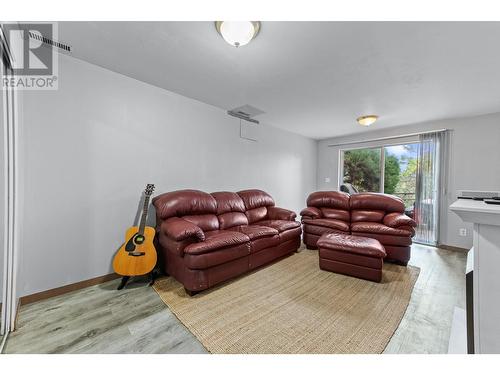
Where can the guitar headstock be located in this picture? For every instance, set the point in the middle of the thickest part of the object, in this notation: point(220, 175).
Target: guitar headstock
point(149, 189)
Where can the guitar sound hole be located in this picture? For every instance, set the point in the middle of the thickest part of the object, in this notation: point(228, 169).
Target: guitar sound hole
point(139, 239)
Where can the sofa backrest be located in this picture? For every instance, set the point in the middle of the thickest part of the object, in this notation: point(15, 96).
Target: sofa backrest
point(332, 204)
point(195, 206)
point(256, 203)
point(230, 209)
point(373, 207)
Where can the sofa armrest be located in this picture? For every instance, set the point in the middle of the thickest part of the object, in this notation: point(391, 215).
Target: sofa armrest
point(277, 213)
point(396, 219)
point(179, 229)
point(312, 212)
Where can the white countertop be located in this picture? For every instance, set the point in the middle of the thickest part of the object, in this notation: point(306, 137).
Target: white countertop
point(472, 211)
point(474, 206)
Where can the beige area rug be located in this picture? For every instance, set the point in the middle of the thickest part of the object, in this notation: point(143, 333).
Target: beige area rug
point(294, 307)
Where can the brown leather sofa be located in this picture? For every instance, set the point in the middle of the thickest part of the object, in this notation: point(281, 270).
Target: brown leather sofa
point(373, 215)
point(205, 239)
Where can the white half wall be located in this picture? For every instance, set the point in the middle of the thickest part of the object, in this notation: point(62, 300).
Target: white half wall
point(2, 192)
point(91, 146)
point(474, 163)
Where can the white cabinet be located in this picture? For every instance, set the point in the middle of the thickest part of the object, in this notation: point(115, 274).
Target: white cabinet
point(486, 220)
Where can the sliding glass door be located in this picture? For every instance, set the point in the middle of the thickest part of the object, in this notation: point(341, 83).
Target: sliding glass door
point(401, 173)
point(388, 169)
point(363, 169)
point(405, 170)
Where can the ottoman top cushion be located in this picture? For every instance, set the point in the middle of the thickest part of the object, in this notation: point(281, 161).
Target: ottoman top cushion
point(352, 244)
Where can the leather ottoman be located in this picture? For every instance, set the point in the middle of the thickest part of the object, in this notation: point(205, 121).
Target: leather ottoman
point(350, 255)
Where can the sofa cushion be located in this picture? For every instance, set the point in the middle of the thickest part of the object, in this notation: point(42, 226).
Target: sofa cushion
point(317, 230)
point(256, 214)
point(175, 246)
point(255, 198)
point(376, 201)
point(180, 229)
point(232, 219)
point(351, 244)
point(216, 240)
point(333, 213)
point(280, 225)
point(228, 202)
point(216, 257)
point(290, 234)
point(206, 222)
point(329, 199)
point(257, 231)
point(311, 212)
point(397, 219)
point(264, 243)
point(328, 223)
point(230, 209)
point(367, 215)
point(184, 202)
point(379, 228)
point(277, 213)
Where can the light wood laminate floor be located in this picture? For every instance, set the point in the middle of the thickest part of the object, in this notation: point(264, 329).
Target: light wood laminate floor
point(101, 319)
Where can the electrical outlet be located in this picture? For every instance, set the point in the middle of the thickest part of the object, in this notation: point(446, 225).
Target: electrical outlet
point(327, 179)
point(462, 232)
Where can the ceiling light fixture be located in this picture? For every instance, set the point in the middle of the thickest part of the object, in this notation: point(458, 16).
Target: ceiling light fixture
point(367, 120)
point(238, 33)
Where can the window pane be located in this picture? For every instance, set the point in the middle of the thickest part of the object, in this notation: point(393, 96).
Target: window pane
point(400, 177)
point(362, 169)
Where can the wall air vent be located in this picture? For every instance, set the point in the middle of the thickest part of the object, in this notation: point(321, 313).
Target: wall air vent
point(50, 42)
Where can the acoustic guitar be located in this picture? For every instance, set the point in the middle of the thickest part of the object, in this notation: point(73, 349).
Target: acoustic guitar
point(137, 256)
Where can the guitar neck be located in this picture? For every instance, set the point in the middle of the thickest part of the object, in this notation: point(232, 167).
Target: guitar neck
point(142, 224)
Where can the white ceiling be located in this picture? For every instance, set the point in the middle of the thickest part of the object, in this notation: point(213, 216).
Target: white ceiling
point(311, 78)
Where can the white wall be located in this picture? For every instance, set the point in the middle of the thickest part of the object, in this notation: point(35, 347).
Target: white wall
point(474, 163)
point(91, 146)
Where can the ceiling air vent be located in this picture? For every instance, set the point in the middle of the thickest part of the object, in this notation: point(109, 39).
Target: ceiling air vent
point(50, 42)
point(246, 112)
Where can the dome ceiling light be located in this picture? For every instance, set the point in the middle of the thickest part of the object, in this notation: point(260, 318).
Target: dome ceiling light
point(367, 120)
point(238, 33)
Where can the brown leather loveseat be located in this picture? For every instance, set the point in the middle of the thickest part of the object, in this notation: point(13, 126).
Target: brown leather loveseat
point(373, 215)
point(205, 239)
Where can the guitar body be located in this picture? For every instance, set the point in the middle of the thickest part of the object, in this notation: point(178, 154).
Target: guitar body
point(137, 256)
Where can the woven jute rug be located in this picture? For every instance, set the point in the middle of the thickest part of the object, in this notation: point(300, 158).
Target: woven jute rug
point(294, 307)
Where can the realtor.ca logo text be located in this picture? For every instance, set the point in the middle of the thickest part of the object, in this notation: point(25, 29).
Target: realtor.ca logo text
point(30, 60)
